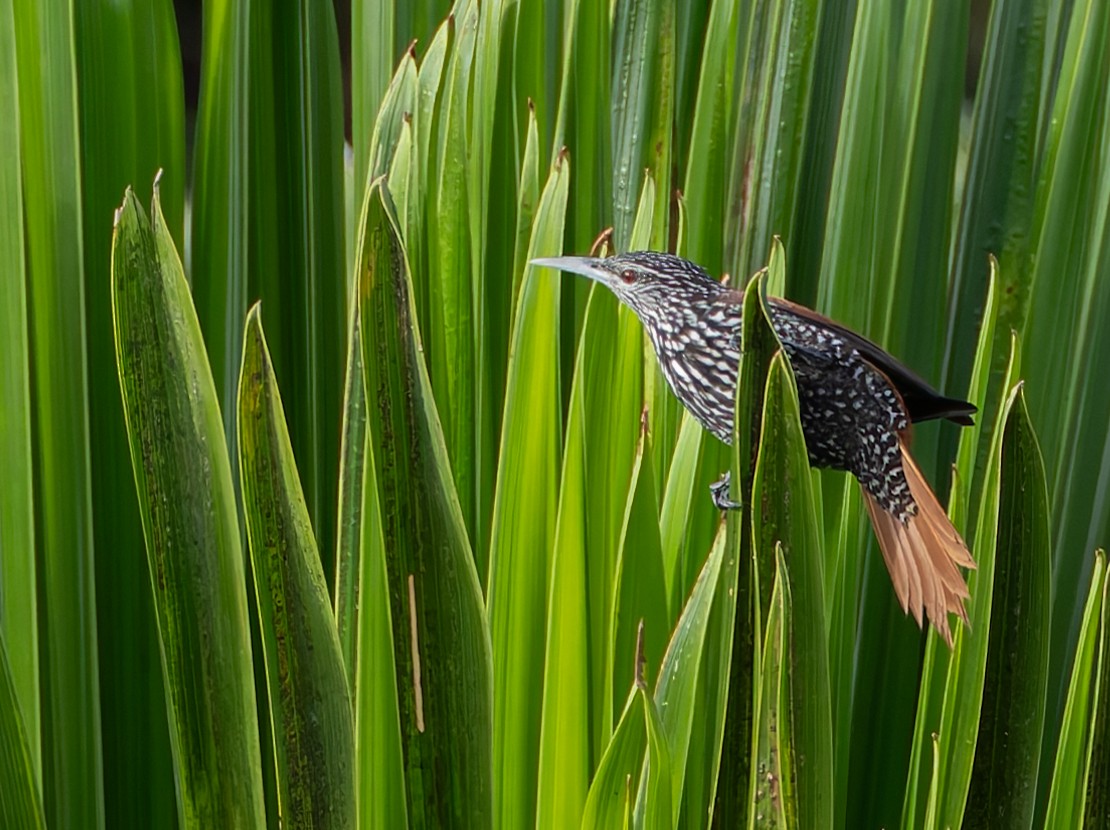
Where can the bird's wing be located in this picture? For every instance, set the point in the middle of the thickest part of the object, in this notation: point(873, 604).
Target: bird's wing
point(922, 401)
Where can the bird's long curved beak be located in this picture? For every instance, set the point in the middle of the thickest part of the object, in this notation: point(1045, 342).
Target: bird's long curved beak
point(586, 266)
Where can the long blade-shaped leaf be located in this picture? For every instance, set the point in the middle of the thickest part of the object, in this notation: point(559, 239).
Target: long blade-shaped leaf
point(1008, 746)
point(633, 782)
point(614, 417)
point(676, 693)
point(310, 708)
point(524, 516)
point(421, 222)
point(18, 614)
point(771, 128)
point(635, 55)
point(352, 459)
point(577, 707)
point(387, 143)
point(1096, 809)
point(679, 503)
point(50, 157)
point(921, 780)
point(583, 122)
point(578, 696)
point(888, 215)
point(303, 293)
point(20, 802)
point(771, 795)
point(613, 790)
point(1069, 314)
point(710, 139)
point(654, 811)
point(452, 318)
point(372, 57)
point(706, 186)
point(565, 737)
point(742, 595)
point(934, 786)
point(640, 602)
point(1069, 775)
point(997, 202)
point(959, 717)
point(219, 248)
point(492, 175)
point(381, 791)
point(784, 511)
point(440, 641)
point(187, 502)
point(132, 124)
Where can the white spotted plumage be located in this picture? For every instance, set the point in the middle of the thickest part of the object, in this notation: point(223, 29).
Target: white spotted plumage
point(856, 402)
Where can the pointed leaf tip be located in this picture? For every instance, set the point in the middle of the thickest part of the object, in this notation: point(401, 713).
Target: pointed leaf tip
point(254, 341)
point(130, 204)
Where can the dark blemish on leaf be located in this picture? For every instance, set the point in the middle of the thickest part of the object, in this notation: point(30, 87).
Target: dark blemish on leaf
point(418, 693)
point(641, 661)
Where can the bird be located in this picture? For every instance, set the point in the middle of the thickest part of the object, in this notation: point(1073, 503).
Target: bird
point(856, 405)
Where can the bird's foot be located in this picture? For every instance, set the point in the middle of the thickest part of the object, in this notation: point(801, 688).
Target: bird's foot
point(719, 490)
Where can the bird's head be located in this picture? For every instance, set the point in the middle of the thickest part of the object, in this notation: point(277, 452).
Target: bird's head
point(648, 282)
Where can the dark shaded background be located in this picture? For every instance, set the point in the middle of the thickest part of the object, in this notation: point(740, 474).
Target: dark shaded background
point(189, 30)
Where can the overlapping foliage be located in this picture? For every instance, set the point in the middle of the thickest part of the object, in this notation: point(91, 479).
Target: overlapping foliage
point(539, 616)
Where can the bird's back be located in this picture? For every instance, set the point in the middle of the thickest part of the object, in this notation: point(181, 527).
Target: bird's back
point(699, 352)
point(923, 402)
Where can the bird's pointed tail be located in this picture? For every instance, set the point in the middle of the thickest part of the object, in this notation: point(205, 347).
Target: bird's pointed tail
point(924, 555)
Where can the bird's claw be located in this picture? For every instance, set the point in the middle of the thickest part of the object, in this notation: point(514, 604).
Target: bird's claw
point(719, 490)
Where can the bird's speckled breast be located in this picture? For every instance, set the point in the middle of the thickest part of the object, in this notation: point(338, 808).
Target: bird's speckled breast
point(700, 358)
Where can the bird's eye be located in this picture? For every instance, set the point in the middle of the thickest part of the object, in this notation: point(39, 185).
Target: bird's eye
point(628, 276)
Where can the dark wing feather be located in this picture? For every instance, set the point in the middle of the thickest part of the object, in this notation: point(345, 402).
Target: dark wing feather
point(923, 402)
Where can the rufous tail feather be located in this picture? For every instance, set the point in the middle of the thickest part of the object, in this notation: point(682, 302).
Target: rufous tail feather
point(924, 555)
